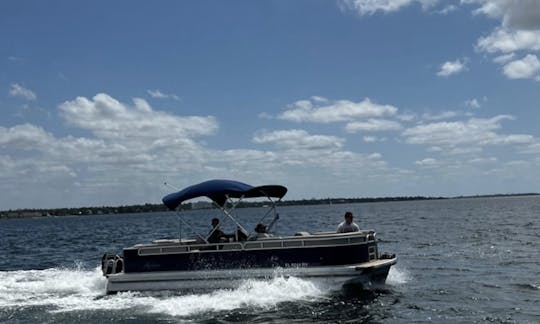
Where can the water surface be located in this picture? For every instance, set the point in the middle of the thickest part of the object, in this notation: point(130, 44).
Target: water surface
point(460, 261)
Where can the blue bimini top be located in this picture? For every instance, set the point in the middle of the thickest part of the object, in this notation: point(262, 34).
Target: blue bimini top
point(219, 190)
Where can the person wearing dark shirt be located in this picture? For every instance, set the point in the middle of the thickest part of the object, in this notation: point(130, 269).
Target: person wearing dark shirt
point(215, 234)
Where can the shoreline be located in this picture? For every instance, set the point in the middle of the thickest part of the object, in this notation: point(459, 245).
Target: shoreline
point(148, 208)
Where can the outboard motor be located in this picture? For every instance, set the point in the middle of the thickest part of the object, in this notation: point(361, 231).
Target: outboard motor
point(111, 264)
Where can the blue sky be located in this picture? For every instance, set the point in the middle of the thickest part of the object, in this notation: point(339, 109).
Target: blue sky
point(101, 102)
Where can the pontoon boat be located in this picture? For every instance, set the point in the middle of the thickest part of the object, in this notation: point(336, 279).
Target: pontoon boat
point(196, 263)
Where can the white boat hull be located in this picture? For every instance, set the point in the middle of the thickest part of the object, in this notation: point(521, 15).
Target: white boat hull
point(373, 272)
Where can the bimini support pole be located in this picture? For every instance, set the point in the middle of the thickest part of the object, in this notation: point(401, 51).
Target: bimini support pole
point(272, 209)
point(228, 214)
point(182, 221)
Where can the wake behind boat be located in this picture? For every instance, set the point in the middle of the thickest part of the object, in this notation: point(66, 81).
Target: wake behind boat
point(222, 261)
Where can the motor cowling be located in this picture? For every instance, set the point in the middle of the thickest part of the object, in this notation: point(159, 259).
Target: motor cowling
point(111, 264)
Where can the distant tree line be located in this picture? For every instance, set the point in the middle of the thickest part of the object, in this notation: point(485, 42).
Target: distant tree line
point(103, 210)
point(148, 208)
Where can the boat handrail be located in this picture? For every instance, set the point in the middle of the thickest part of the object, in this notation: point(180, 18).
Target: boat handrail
point(262, 243)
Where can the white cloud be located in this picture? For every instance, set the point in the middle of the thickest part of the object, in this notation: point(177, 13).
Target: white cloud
point(448, 9)
point(130, 149)
point(474, 132)
point(532, 148)
point(298, 139)
point(19, 91)
point(440, 115)
point(482, 160)
point(507, 41)
point(526, 68)
point(462, 150)
point(408, 116)
point(108, 118)
point(157, 94)
point(265, 115)
point(370, 7)
point(429, 162)
point(449, 68)
point(337, 111)
point(475, 103)
point(472, 103)
point(505, 58)
point(24, 137)
point(372, 125)
point(518, 14)
point(519, 32)
point(319, 99)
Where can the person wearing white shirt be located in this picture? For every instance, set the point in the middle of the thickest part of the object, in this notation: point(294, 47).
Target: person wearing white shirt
point(348, 225)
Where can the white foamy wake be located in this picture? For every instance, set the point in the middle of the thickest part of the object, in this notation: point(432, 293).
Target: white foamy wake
point(67, 290)
point(397, 276)
point(260, 294)
point(50, 286)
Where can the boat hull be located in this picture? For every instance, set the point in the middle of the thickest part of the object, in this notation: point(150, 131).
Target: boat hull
point(360, 275)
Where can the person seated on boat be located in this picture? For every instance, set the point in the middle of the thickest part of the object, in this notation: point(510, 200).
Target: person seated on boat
point(216, 234)
point(261, 230)
point(348, 225)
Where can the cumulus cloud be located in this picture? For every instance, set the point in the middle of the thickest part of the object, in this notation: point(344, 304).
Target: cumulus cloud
point(452, 67)
point(505, 58)
point(482, 160)
point(532, 148)
point(439, 115)
point(474, 132)
point(370, 7)
point(318, 111)
point(448, 9)
point(157, 94)
point(129, 149)
point(108, 118)
point(518, 14)
point(503, 40)
point(526, 68)
point(24, 137)
point(125, 150)
point(122, 135)
point(473, 103)
point(19, 91)
point(372, 125)
point(298, 139)
point(427, 162)
point(519, 32)
point(129, 146)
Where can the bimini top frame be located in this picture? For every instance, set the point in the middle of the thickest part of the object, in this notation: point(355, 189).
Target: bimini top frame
point(222, 193)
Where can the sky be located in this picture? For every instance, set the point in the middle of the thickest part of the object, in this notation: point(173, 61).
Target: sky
point(101, 102)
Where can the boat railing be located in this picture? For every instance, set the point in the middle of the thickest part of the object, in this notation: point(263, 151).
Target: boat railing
point(265, 243)
point(312, 241)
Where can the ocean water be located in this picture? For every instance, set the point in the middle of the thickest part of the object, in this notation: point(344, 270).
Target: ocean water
point(459, 261)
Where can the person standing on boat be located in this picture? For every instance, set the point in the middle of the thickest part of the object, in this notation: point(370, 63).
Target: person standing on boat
point(215, 233)
point(348, 225)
